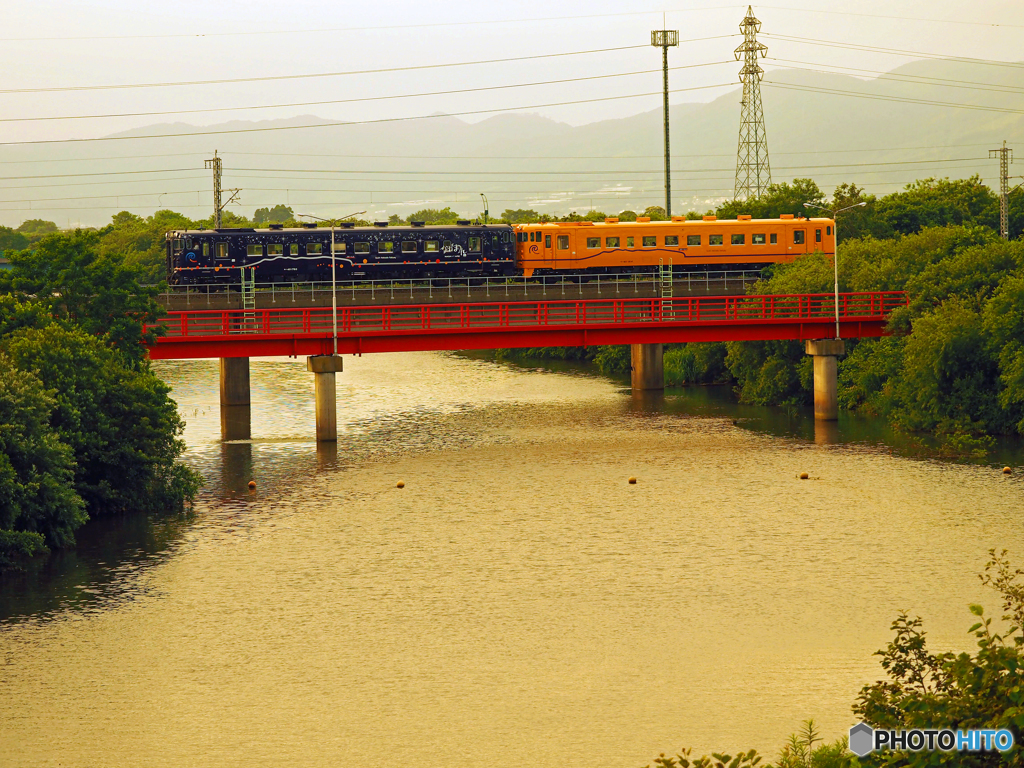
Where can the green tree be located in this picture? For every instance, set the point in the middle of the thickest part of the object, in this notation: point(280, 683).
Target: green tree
point(140, 243)
point(778, 199)
point(939, 202)
point(36, 229)
point(655, 213)
point(10, 240)
point(519, 216)
point(120, 422)
point(593, 215)
point(38, 506)
point(74, 282)
point(279, 214)
point(627, 216)
point(433, 216)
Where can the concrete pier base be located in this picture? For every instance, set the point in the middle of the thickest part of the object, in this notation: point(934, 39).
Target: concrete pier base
point(648, 370)
point(826, 385)
point(324, 367)
point(234, 399)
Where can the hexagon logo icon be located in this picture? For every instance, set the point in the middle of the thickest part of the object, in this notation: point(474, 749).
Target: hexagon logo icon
point(862, 739)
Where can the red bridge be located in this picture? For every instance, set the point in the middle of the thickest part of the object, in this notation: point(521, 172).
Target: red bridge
point(389, 328)
point(235, 335)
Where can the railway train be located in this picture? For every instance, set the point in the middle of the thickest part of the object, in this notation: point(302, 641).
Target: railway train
point(466, 250)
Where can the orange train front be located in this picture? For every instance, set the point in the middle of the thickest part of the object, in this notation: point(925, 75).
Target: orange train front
point(625, 246)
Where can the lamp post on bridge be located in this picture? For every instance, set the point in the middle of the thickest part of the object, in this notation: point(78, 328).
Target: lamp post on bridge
point(835, 257)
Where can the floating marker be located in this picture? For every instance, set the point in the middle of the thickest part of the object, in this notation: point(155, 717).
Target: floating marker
point(803, 475)
point(632, 481)
point(401, 484)
point(1007, 470)
point(252, 485)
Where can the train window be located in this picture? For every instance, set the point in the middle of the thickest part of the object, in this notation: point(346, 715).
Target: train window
point(593, 242)
point(293, 249)
point(522, 237)
point(798, 236)
point(739, 239)
point(275, 249)
point(629, 242)
point(563, 242)
point(188, 243)
point(494, 241)
point(222, 250)
point(649, 241)
point(339, 247)
point(693, 239)
point(716, 239)
point(773, 238)
point(430, 246)
point(611, 242)
point(409, 246)
point(817, 235)
point(206, 249)
point(176, 245)
point(757, 239)
point(361, 247)
point(547, 241)
point(671, 239)
point(254, 250)
point(828, 230)
point(386, 247)
point(474, 245)
point(313, 249)
point(446, 246)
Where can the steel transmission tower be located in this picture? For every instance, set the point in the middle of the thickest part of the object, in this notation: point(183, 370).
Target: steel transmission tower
point(218, 168)
point(753, 173)
point(665, 39)
point(1005, 158)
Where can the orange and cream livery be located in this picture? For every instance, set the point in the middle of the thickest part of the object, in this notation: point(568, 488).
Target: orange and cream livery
point(635, 246)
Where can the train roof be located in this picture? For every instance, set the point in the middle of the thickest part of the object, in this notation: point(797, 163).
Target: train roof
point(287, 230)
point(676, 221)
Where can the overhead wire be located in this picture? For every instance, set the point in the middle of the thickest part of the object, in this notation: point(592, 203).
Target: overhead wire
point(901, 99)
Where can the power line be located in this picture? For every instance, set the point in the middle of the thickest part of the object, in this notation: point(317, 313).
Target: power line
point(892, 51)
point(355, 100)
point(389, 28)
point(376, 121)
point(958, 21)
point(268, 78)
point(901, 99)
point(901, 78)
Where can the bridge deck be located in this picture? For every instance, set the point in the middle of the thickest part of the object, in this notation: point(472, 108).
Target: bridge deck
point(308, 331)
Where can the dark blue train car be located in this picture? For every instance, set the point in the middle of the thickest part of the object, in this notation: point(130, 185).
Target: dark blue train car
point(381, 252)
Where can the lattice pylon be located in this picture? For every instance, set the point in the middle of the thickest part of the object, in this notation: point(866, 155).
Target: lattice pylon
point(753, 172)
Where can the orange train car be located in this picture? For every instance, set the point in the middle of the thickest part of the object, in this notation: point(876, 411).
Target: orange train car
point(626, 246)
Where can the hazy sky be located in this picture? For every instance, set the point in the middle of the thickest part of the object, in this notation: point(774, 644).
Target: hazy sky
point(68, 44)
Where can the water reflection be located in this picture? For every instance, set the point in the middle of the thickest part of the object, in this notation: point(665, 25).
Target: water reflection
point(235, 422)
point(826, 432)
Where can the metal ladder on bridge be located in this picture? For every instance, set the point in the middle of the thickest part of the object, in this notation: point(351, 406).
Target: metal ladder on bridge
point(665, 277)
point(249, 300)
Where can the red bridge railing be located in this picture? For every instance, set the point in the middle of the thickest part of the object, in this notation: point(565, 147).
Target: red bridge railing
point(238, 332)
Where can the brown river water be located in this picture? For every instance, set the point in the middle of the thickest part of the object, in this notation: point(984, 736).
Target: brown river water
point(517, 603)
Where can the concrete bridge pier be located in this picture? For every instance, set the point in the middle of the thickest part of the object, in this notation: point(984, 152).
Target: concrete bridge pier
point(826, 385)
point(324, 367)
point(235, 421)
point(647, 369)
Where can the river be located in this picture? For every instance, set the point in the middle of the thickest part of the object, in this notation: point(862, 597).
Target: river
point(517, 603)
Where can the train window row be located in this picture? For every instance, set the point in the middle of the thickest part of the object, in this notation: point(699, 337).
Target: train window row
point(651, 241)
point(474, 245)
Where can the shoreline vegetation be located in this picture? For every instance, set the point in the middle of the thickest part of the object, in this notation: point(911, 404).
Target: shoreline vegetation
point(979, 690)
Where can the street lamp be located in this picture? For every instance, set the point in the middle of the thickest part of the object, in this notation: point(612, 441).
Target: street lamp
point(484, 198)
point(835, 257)
point(334, 287)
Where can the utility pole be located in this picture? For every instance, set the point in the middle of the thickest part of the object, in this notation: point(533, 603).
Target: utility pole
point(753, 172)
point(1005, 158)
point(217, 164)
point(218, 168)
point(664, 39)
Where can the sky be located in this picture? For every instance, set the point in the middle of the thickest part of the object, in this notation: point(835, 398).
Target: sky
point(77, 70)
point(66, 44)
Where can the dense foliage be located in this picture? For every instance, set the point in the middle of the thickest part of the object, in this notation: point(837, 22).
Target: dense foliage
point(86, 427)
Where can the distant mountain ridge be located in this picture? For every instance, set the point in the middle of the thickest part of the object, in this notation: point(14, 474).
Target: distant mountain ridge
point(816, 128)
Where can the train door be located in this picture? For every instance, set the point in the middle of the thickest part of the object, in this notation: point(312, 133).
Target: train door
point(799, 244)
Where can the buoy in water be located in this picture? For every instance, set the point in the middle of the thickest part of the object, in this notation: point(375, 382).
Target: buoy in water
point(252, 485)
point(400, 484)
point(1007, 470)
point(803, 475)
point(632, 481)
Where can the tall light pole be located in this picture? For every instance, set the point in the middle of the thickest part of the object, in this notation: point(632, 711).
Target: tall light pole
point(334, 288)
point(664, 39)
point(484, 198)
point(835, 257)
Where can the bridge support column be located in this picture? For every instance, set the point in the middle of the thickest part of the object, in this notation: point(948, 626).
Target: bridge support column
point(235, 423)
point(826, 385)
point(324, 367)
point(648, 370)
